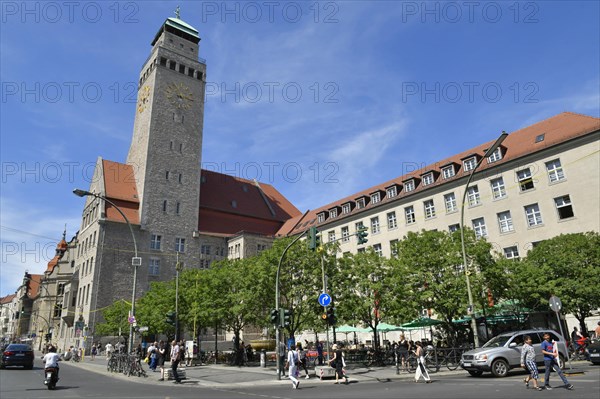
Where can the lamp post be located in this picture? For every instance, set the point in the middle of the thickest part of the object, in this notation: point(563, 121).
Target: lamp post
point(135, 261)
point(490, 151)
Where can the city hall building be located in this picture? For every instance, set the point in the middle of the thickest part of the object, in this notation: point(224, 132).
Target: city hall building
point(542, 181)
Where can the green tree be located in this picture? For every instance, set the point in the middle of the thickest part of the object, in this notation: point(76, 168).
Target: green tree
point(152, 307)
point(115, 319)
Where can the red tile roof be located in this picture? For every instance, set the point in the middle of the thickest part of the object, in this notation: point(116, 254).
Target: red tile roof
point(557, 129)
point(33, 285)
point(119, 183)
point(7, 299)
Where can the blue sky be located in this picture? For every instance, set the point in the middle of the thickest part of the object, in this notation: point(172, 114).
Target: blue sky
point(319, 99)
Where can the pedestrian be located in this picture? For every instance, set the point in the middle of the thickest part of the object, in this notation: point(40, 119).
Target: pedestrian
point(528, 363)
point(550, 351)
point(403, 347)
point(597, 331)
point(575, 337)
point(292, 365)
point(176, 354)
point(151, 353)
point(302, 359)
point(94, 351)
point(421, 369)
point(281, 355)
point(338, 363)
point(320, 352)
point(161, 355)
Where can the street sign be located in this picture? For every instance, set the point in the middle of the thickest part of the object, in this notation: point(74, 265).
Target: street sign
point(324, 299)
point(144, 328)
point(555, 303)
point(131, 319)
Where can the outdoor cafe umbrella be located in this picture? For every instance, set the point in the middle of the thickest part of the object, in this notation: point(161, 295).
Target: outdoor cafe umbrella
point(385, 327)
point(420, 323)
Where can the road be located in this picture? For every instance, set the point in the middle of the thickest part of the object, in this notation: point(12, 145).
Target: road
point(77, 382)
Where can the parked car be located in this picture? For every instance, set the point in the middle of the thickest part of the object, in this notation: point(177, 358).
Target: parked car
point(17, 355)
point(594, 352)
point(503, 352)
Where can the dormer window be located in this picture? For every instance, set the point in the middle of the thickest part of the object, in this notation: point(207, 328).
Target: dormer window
point(375, 198)
point(409, 185)
point(448, 172)
point(360, 203)
point(391, 192)
point(320, 218)
point(496, 155)
point(469, 164)
point(333, 213)
point(428, 179)
point(346, 208)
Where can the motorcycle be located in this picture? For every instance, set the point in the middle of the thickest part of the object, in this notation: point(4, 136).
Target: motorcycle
point(51, 379)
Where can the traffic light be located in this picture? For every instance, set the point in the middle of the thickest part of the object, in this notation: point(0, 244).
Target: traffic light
point(171, 316)
point(362, 234)
point(48, 337)
point(275, 317)
point(330, 316)
point(286, 317)
point(314, 239)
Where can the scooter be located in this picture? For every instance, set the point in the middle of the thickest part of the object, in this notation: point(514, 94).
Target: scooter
point(51, 379)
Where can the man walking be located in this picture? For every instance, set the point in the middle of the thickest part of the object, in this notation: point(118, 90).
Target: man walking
point(175, 359)
point(550, 354)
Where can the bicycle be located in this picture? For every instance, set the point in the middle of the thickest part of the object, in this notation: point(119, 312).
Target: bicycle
point(378, 358)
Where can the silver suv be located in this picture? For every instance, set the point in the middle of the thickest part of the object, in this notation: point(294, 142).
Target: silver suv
point(503, 352)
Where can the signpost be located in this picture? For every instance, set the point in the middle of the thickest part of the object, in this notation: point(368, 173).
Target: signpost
point(324, 299)
point(556, 306)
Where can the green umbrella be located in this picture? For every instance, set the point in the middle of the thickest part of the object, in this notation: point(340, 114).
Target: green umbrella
point(421, 322)
point(385, 327)
point(349, 329)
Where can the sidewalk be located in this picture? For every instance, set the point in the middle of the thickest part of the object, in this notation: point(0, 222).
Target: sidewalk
point(232, 376)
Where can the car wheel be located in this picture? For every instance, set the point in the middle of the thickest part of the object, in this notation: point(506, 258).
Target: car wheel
point(499, 368)
point(475, 373)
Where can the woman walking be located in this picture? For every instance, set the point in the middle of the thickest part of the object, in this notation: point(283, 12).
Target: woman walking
point(292, 364)
point(421, 370)
point(339, 364)
point(302, 359)
point(161, 354)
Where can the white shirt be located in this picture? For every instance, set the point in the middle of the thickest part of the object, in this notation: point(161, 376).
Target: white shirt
point(109, 347)
point(51, 359)
point(292, 357)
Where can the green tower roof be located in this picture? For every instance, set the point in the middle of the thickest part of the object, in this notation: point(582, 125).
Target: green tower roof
point(179, 28)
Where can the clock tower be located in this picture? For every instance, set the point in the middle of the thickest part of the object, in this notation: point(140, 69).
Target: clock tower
point(166, 147)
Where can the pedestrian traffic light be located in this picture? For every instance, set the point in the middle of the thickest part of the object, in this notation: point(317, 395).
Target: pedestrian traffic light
point(330, 316)
point(361, 235)
point(314, 239)
point(286, 317)
point(275, 317)
point(170, 318)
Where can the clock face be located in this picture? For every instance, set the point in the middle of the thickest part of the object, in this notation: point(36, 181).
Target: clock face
point(179, 96)
point(143, 98)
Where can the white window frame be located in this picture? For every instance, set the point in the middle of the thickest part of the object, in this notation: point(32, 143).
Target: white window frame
point(564, 201)
point(495, 156)
point(454, 227)
point(473, 196)
point(320, 218)
point(428, 179)
point(346, 208)
point(179, 244)
point(469, 163)
point(479, 227)
point(391, 192)
point(409, 186)
point(498, 188)
point(375, 198)
point(345, 234)
point(392, 220)
point(360, 203)
point(378, 250)
point(524, 177)
point(154, 266)
point(394, 247)
point(450, 203)
point(409, 214)
point(533, 215)
point(448, 172)
point(429, 209)
point(505, 222)
point(555, 171)
point(333, 213)
point(331, 236)
point(375, 226)
point(155, 242)
point(511, 252)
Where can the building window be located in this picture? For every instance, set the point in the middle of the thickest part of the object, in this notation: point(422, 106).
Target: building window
point(154, 267)
point(155, 241)
point(377, 249)
point(320, 218)
point(179, 244)
point(333, 213)
point(498, 189)
point(375, 198)
point(505, 222)
point(525, 179)
point(180, 178)
point(167, 175)
point(496, 155)
point(392, 222)
point(57, 309)
point(534, 216)
point(479, 227)
point(360, 203)
point(469, 164)
point(164, 207)
point(511, 252)
point(205, 249)
point(375, 225)
point(448, 172)
point(539, 138)
point(450, 201)
point(61, 289)
point(428, 179)
point(394, 247)
point(345, 234)
point(555, 171)
point(331, 236)
point(346, 208)
point(409, 214)
point(429, 209)
point(473, 196)
point(453, 227)
point(409, 186)
point(391, 192)
point(177, 208)
point(564, 207)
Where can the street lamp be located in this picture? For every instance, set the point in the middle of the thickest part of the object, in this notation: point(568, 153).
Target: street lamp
point(490, 151)
point(135, 261)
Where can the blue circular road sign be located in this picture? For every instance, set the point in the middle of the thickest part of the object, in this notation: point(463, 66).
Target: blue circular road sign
point(324, 299)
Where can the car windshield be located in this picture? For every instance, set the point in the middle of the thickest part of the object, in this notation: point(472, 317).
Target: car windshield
point(18, 348)
point(497, 342)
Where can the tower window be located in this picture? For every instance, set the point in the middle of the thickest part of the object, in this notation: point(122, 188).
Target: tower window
point(171, 145)
point(180, 147)
point(163, 61)
point(167, 175)
point(164, 207)
point(180, 178)
point(191, 72)
point(177, 208)
point(172, 65)
point(199, 76)
point(181, 68)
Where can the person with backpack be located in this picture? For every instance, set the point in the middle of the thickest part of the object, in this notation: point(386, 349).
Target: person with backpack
point(302, 358)
point(292, 365)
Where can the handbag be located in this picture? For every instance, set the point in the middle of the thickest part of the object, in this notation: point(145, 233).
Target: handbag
point(146, 360)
